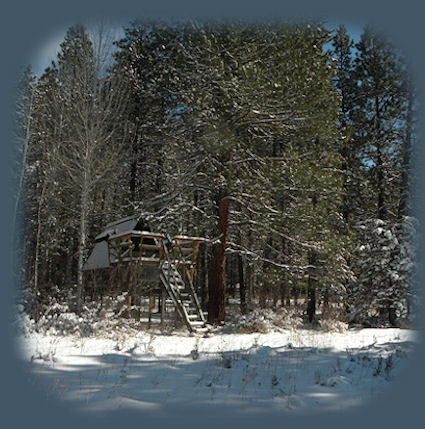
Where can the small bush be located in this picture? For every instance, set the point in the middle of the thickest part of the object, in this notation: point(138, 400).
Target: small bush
point(333, 320)
point(330, 325)
point(255, 321)
point(59, 319)
point(266, 320)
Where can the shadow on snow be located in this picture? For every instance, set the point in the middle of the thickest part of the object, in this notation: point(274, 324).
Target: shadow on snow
point(257, 379)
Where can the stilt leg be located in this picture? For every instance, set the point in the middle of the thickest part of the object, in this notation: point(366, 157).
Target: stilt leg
point(150, 306)
point(162, 308)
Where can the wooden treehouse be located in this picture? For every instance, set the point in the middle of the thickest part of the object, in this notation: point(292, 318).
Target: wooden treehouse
point(149, 264)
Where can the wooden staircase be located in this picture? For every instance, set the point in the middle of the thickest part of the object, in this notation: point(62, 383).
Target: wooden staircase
point(146, 252)
point(184, 298)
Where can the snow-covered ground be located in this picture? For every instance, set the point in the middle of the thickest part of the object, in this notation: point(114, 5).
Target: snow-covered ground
point(297, 370)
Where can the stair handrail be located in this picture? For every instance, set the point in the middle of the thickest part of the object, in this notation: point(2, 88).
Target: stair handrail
point(175, 293)
point(188, 270)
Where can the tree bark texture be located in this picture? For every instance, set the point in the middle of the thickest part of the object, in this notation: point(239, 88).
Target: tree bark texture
point(242, 287)
point(82, 240)
point(380, 210)
point(216, 292)
point(403, 207)
point(311, 289)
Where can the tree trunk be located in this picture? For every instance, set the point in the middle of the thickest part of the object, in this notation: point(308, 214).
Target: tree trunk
point(82, 240)
point(265, 288)
point(311, 306)
point(205, 277)
point(216, 292)
point(288, 297)
point(311, 289)
point(403, 207)
point(133, 172)
point(283, 293)
point(230, 278)
point(283, 289)
point(38, 241)
point(380, 210)
point(24, 163)
point(248, 281)
point(242, 287)
point(69, 261)
point(392, 318)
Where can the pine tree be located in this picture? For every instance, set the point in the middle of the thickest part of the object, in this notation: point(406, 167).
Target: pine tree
point(24, 117)
point(146, 59)
point(252, 136)
point(377, 116)
point(88, 106)
point(407, 136)
point(251, 130)
point(348, 147)
point(384, 266)
point(381, 121)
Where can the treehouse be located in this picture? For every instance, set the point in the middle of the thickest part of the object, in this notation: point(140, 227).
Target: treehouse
point(148, 264)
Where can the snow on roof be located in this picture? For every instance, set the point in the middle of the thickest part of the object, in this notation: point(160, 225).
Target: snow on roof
point(123, 220)
point(118, 227)
point(99, 256)
point(138, 233)
point(189, 238)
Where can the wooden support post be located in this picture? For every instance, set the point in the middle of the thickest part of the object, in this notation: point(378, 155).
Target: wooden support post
point(128, 293)
point(150, 306)
point(141, 301)
point(296, 293)
point(94, 288)
point(131, 293)
point(129, 305)
point(139, 287)
point(162, 308)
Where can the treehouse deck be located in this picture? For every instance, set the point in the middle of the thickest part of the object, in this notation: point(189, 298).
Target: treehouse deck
point(163, 265)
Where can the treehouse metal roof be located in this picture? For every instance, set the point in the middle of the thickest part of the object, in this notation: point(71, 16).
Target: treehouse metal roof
point(99, 256)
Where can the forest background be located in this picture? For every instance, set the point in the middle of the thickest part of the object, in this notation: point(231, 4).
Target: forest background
point(288, 146)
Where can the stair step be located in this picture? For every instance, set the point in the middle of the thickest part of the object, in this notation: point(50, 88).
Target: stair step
point(201, 330)
point(176, 287)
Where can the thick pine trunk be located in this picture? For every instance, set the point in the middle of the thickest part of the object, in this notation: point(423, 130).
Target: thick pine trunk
point(205, 276)
point(216, 292)
point(311, 306)
point(200, 276)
